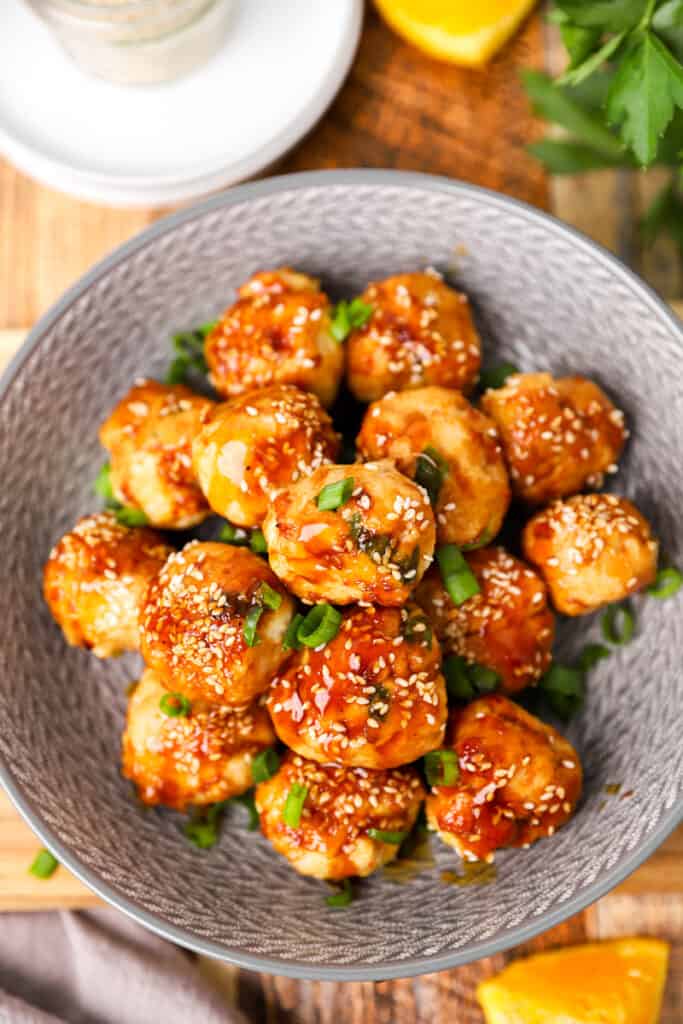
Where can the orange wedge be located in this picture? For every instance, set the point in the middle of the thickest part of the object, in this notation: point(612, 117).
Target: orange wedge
point(465, 32)
point(618, 982)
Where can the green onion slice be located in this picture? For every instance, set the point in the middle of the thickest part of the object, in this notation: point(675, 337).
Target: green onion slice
point(442, 767)
point(335, 495)
point(128, 516)
point(294, 804)
point(175, 705)
point(289, 641)
point(496, 376)
point(591, 655)
point(382, 836)
point(667, 584)
point(251, 621)
point(264, 765)
point(320, 626)
point(235, 535)
point(268, 596)
point(257, 542)
point(347, 316)
point(431, 469)
point(202, 833)
point(458, 578)
point(618, 624)
point(564, 680)
point(44, 864)
point(458, 682)
point(103, 488)
point(485, 680)
point(342, 897)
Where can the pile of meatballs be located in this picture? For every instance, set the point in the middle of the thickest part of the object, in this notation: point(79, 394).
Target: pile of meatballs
point(332, 642)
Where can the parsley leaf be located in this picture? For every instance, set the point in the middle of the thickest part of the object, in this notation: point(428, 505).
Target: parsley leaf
point(578, 72)
point(558, 105)
point(645, 92)
point(608, 15)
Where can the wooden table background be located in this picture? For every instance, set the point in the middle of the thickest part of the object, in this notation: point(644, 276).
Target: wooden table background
point(397, 109)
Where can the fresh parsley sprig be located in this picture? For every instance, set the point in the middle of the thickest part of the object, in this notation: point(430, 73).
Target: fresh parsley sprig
point(620, 99)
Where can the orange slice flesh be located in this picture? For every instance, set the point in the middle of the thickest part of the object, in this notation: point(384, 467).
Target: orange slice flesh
point(616, 982)
point(467, 33)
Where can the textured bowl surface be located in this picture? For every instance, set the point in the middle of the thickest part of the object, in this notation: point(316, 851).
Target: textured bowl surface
point(545, 298)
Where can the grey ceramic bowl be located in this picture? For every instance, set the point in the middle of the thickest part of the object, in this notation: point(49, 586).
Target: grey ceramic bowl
point(546, 298)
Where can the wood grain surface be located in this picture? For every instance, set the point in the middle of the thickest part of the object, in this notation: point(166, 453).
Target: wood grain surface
point(397, 109)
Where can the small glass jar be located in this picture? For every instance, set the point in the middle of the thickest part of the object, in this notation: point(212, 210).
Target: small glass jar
point(138, 41)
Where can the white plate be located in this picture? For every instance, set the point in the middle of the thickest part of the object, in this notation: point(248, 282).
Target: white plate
point(282, 64)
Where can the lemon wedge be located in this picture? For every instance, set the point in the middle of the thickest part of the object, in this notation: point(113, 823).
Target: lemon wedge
point(617, 982)
point(465, 32)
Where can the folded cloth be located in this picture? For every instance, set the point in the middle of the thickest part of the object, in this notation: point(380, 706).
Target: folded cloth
point(98, 967)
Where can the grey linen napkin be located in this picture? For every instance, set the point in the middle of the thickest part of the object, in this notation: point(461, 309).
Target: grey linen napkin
point(98, 967)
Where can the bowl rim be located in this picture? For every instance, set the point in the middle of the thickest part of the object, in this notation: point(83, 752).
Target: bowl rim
point(390, 969)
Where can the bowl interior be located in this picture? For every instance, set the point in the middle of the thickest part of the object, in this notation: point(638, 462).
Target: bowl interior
point(545, 299)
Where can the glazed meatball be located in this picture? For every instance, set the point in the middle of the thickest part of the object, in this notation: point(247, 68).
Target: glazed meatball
point(374, 546)
point(507, 626)
point(435, 436)
point(374, 697)
point(558, 435)
point(199, 758)
point(341, 805)
point(149, 437)
point(96, 578)
point(420, 332)
point(591, 549)
point(213, 624)
point(252, 447)
point(278, 331)
point(518, 780)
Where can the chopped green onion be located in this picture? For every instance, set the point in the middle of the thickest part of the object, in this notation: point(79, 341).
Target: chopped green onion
point(251, 621)
point(458, 578)
point(458, 682)
point(201, 833)
point(342, 897)
point(485, 680)
point(618, 624)
point(667, 584)
point(320, 626)
point(496, 376)
point(382, 836)
point(564, 689)
point(264, 765)
point(269, 597)
point(347, 316)
point(178, 370)
point(189, 348)
point(257, 542)
point(442, 767)
point(335, 495)
point(289, 641)
point(294, 804)
point(418, 630)
point(44, 864)
point(431, 469)
point(247, 801)
point(486, 538)
point(235, 535)
point(175, 705)
point(103, 488)
point(128, 516)
point(591, 655)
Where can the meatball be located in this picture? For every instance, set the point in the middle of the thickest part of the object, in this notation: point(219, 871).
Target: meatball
point(420, 332)
point(199, 758)
point(373, 546)
point(341, 806)
point(95, 580)
point(435, 436)
point(558, 435)
point(518, 780)
point(278, 331)
point(213, 624)
point(374, 697)
point(591, 549)
point(507, 626)
point(149, 437)
point(252, 447)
